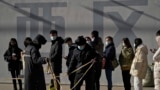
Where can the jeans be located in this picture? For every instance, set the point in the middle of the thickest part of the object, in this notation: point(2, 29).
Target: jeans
point(109, 78)
point(138, 83)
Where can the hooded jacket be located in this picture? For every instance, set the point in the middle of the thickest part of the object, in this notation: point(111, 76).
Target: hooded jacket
point(56, 54)
point(140, 62)
point(156, 56)
point(34, 74)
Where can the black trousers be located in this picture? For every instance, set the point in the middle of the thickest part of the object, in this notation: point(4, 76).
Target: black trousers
point(126, 79)
point(71, 79)
point(15, 74)
point(97, 78)
point(89, 81)
point(57, 81)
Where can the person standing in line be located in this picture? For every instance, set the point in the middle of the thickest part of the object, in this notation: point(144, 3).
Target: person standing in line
point(71, 46)
point(156, 59)
point(97, 44)
point(34, 75)
point(83, 54)
point(109, 55)
point(88, 41)
point(13, 56)
point(26, 42)
point(140, 63)
point(55, 56)
point(125, 59)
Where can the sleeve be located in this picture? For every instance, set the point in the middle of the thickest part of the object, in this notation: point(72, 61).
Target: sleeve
point(19, 54)
point(141, 56)
point(7, 57)
point(72, 64)
point(56, 52)
point(36, 58)
point(156, 56)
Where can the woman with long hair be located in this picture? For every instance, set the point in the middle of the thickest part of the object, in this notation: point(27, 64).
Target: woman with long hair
point(125, 59)
point(13, 56)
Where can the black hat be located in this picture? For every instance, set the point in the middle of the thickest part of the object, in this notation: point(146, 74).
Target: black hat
point(80, 40)
point(40, 39)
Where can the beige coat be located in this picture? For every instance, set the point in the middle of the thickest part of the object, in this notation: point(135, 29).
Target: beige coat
point(140, 62)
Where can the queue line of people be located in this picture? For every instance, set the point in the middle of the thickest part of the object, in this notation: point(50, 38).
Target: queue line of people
point(84, 50)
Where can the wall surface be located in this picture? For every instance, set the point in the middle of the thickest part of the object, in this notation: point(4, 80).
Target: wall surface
point(117, 18)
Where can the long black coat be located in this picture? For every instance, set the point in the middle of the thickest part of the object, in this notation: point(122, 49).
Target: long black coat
point(56, 55)
point(34, 74)
point(13, 64)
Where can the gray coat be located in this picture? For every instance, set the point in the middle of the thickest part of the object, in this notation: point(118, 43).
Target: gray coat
point(34, 74)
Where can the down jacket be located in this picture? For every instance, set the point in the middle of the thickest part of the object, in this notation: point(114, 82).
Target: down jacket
point(140, 63)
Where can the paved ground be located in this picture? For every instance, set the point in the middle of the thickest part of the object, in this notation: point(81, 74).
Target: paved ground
point(66, 87)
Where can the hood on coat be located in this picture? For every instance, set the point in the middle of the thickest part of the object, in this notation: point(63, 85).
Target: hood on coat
point(39, 39)
point(143, 48)
point(158, 40)
point(59, 39)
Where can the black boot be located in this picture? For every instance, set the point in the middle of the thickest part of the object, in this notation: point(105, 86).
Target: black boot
point(20, 84)
point(14, 85)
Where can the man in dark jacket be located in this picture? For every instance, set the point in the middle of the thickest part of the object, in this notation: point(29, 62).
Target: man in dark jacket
point(97, 44)
point(34, 74)
point(56, 55)
point(109, 55)
point(71, 46)
point(83, 54)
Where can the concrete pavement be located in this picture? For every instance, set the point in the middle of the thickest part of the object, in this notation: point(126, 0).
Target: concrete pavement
point(66, 87)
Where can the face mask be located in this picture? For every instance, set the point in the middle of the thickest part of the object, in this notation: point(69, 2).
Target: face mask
point(93, 39)
point(53, 37)
point(107, 43)
point(80, 47)
point(89, 42)
point(123, 44)
point(134, 45)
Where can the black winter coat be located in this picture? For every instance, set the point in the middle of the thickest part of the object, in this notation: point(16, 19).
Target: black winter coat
point(13, 64)
point(56, 54)
point(34, 74)
point(70, 54)
point(81, 57)
point(109, 55)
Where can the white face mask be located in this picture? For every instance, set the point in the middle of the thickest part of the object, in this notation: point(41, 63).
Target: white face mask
point(89, 42)
point(93, 38)
point(80, 47)
point(134, 45)
point(53, 37)
point(107, 43)
point(123, 44)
